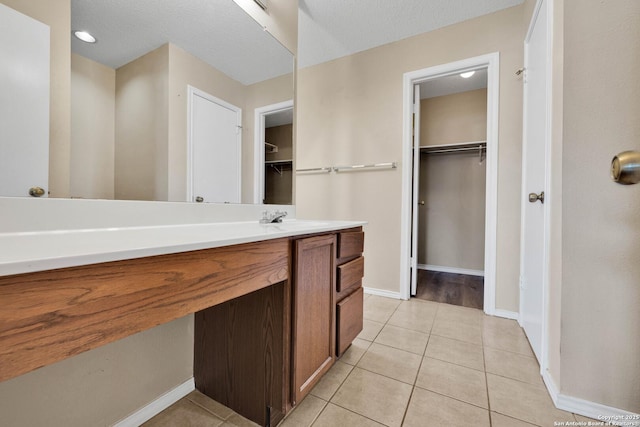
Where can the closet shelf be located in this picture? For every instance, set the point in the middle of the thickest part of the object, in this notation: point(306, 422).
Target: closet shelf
point(278, 162)
point(270, 148)
point(454, 148)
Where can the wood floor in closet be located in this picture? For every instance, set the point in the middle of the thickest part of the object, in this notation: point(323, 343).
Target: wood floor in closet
point(450, 288)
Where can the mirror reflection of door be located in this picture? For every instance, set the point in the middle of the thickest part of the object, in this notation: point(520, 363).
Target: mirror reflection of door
point(24, 105)
point(215, 138)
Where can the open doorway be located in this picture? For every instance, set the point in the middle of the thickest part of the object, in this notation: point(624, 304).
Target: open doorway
point(274, 154)
point(452, 189)
point(475, 155)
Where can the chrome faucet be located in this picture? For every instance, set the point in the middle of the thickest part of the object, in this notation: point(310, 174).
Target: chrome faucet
point(272, 217)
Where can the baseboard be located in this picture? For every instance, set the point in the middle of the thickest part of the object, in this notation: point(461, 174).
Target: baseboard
point(454, 270)
point(506, 314)
point(586, 408)
point(382, 293)
point(149, 411)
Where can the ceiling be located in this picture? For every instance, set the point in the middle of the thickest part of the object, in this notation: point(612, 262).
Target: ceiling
point(330, 29)
point(216, 31)
point(453, 84)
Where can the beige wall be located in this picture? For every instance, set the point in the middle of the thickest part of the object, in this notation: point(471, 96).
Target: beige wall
point(451, 119)
point(453, 186)
point(142, 127)
point(56, 14)
point(349, 111)
point(601, 221)
point(258, 95)
point(93, 89)
point(102, 386)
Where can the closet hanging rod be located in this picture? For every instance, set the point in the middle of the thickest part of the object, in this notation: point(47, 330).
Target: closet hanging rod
point(454, 148)
point(389, 165)
point(315, 170)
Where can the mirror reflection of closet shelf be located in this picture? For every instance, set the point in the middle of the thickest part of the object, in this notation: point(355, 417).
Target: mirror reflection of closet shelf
point(270, 148)
point(279, 165)
point(479, 147)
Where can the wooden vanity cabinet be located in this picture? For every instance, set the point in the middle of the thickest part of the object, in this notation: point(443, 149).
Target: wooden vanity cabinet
point(313, 315)
point(349, 295)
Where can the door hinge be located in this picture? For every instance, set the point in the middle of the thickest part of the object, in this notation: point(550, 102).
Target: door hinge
point(523, 283)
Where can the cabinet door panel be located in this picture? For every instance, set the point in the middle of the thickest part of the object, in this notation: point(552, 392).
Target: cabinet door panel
point(314, 312)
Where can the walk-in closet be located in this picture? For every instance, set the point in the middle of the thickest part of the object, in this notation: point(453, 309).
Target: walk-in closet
point(278, 155)
point(452, 189)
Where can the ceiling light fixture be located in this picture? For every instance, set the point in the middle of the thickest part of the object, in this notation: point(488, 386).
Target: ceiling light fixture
point(467, 74)
point(84, 36)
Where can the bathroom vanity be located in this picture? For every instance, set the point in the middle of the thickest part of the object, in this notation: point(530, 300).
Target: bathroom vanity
point(274, 303)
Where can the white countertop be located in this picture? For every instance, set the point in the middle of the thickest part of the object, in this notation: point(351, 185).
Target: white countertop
point(25, 252)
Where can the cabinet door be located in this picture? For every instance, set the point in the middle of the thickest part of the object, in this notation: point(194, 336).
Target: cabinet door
point(313, 312)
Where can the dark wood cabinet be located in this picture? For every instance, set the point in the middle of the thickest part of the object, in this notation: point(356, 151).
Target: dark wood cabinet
point(313, 316)
point(349, 294)
point(240, 357)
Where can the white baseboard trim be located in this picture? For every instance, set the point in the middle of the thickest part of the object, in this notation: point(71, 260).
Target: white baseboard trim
point(382, 293)
point(506, 314)
point(586, 408)
point(149, 411)
point(454, 270)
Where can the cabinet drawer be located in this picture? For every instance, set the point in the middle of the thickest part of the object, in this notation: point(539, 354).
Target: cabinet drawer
point(350, 244)
point(349, 320)
point(350, 274)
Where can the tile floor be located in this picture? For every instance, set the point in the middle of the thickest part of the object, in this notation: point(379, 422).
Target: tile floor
point(416, 363)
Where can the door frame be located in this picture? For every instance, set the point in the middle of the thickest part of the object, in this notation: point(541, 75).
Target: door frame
point(491, 62)
point(191, 93)
point(548, 200)
point(258, 145)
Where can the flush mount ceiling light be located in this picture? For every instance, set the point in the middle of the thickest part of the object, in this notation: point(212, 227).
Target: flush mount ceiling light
point(467, 74)
point(84, 36)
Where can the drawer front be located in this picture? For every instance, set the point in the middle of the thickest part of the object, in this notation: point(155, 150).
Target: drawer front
point(350, 274)
point(350, 244)
point(349, 320)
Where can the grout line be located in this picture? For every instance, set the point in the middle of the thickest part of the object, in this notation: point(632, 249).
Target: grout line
point(357, 413)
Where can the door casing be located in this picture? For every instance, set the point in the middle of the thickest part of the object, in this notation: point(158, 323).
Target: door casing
point(491, 62)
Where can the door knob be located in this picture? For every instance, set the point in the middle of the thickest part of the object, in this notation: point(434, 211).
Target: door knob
point(36, 191)
point(533, 197)
point(199, 199)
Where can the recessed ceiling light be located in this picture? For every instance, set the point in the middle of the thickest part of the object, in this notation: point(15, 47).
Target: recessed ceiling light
point(84, 36)
point(467, 74)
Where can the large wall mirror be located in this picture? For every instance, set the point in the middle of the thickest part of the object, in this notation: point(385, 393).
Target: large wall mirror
point(164, 103)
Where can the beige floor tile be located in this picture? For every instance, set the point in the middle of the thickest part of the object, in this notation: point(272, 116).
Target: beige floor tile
point(499, 420)
point(305, 413)
point(412, 319)
point(333, 416)
point(355, 351)
point(593, 420)
point(462, 315)
point(454, 351)
point(526, 402)
point(458, 331)
point(505, 334)
point(458, 382)
point(210, 405)
point(374, 396)
point(512, 365)
point(391, 362)
point(379, 309)
point(403, 339)
point(184, 413)
point(331, 381)
point(235, 420)
point(428, 409)
point(370, 330)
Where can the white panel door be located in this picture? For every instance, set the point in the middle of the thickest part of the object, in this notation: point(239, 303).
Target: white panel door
point(215, 149)
point(532, 269)
point(415, 214)
point(24, 104)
